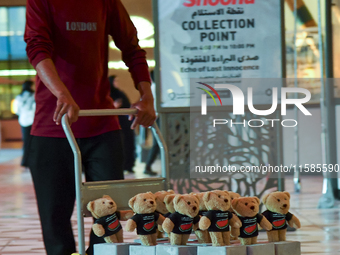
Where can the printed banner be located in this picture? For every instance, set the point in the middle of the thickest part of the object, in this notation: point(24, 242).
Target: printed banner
point(216, 39)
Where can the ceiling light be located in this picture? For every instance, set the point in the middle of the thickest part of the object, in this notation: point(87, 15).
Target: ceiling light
point(145, 29)
point(21, 72)
point(121, 64)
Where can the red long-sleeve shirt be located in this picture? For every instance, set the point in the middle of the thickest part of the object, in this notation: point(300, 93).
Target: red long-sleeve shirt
point(74, 34)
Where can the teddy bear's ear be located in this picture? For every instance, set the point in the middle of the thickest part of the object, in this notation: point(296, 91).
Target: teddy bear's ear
point(264, 199)
point(287, 193)
point(151, 194)
point(168, 198)
point(171, 191)
point(257, 200)
point(234, 202)
point(226, 192)
point(177, 198)
point(197, 196)
point(132, 201)
point(206, 196)
point(193, 194)
point(107, 197)
point(157, 194)
point(90, 206)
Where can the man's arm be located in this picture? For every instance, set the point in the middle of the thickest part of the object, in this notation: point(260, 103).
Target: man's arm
point(146, 115)
point(38, 31)
point(65, 103)
point(39, 51)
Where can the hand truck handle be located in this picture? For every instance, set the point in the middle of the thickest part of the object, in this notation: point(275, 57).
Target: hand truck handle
point(107, 112)
point(77, 160)
point(125, 111)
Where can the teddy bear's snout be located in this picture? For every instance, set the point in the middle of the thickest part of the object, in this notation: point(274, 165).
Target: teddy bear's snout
point(151, 202)
point(194, 208)
point(284, 205)
point(111, 203)
point(252, 207)
point(226, 200)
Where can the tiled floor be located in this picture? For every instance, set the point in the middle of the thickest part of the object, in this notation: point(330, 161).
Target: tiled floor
point(20, 228)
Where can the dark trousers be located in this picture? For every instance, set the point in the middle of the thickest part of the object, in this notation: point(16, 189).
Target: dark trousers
point(52, 166)
point(26, 136)
point(129, 142)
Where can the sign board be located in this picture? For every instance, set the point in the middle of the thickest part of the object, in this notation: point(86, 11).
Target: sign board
point(229, 39)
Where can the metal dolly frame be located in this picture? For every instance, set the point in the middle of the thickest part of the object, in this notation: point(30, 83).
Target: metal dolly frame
point(126, 189)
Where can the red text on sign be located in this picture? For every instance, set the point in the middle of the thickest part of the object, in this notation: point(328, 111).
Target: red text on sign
point(190, 3)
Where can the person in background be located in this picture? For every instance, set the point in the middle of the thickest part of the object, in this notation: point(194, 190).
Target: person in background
point(120, 100)
point(154, 151)
point(25, 107)
point(67, 44)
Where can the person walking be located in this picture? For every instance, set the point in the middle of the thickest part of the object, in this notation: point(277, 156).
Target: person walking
point(120, 100)
point(25, 108)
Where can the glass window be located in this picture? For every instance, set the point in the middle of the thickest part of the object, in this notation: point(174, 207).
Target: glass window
point(308, 69)
point(12, 27)
point(14, 65)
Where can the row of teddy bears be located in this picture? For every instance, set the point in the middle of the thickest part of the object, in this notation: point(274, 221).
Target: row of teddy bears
point(208, 214)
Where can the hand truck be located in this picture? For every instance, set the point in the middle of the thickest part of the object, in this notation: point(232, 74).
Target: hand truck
point(88, 191)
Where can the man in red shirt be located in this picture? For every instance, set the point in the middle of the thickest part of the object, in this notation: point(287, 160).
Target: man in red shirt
point(67, 43)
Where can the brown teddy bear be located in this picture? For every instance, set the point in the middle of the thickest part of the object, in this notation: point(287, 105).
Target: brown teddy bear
point(218, 218)
point(161, 206)
point(232, 196)
point(107, 224)
point(184, 220)
point(145, 219)
point(234, 232)
point(277, 204)
point(169, 203)
point(202, 235)
point(247, 210)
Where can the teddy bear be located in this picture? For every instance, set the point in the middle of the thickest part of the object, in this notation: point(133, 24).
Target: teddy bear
point(183, 220)
point(278, 204)
point(218, 218)
point(107, 224)
point(234, 232)
point(202, 235)
point(232, 196)
point(169, 203)
point(161, 206)
point(145, 219)
point(247, 210)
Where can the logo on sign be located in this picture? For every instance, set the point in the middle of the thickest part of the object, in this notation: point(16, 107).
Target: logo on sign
point(238, 98)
